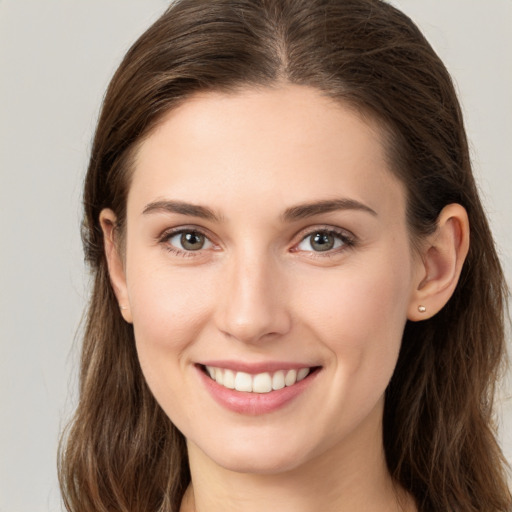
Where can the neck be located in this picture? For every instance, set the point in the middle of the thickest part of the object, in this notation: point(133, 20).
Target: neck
point(350, 476)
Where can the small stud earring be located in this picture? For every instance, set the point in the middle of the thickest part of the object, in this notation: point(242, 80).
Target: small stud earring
point(422, 309)
point(122, 308)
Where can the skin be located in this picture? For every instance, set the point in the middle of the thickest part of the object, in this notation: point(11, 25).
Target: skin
point(259, 291)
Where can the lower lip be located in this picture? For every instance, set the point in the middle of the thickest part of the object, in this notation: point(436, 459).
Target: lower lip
point(254, 404)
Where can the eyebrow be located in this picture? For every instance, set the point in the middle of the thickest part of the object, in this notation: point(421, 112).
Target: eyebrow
point(294, 213)
point(182, 208)
point(306, 210)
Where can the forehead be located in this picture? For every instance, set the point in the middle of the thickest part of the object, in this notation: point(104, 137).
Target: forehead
point(291, 141)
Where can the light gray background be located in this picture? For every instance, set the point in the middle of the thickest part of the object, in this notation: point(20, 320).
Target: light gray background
point(56, 57)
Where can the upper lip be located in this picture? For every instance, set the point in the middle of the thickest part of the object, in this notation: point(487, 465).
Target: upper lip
point(255, 368)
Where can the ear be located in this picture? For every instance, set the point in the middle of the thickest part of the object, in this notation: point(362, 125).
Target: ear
point(115, 262)
point(442, 258)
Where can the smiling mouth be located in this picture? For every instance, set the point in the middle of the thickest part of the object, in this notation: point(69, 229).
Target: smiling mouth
point(259, 383)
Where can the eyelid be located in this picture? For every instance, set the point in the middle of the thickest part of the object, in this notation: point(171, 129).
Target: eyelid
point(349, 239)
point(169, 233)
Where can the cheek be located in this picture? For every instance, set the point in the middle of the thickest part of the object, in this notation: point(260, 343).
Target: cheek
point(169, 310)
point(359, 312)
point(359, 316)
point(359, 299)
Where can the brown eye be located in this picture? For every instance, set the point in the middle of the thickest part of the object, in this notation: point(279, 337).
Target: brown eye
point(187, 241)
point(192, 241)
point(323, 241)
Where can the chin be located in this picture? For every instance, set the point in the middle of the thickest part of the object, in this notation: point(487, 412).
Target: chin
point(255, 463)
point(260, 454)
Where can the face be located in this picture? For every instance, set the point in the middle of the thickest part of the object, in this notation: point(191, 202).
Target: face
point(267, 249)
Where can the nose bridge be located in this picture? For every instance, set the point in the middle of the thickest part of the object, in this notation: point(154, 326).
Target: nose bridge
point(254, 305)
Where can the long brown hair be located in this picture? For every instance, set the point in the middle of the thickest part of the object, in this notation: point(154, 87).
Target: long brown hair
point(121, 452)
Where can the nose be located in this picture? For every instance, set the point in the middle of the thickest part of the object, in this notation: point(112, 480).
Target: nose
point(253, 306)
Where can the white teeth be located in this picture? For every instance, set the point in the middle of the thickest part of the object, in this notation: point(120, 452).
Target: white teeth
point(302, 374)
point(291, 377)
point(260, 383)
point(219, 376)
point(243, 382)
point(229, 379)
point(278, 380)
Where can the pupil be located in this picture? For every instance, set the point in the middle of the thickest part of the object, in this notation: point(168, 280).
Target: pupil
point(192, 241)
point(322, 242)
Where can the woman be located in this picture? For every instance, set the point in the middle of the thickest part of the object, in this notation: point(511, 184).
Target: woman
point(287, 311)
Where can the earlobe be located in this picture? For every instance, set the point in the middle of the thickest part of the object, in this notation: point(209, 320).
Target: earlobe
point(441, 263)
point(115, 262)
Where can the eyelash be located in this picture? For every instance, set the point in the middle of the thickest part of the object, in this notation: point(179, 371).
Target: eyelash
point(166, 237)
point(347, 239)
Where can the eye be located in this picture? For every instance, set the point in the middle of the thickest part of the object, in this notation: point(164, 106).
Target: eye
point(323, 241)
point(188, 240)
